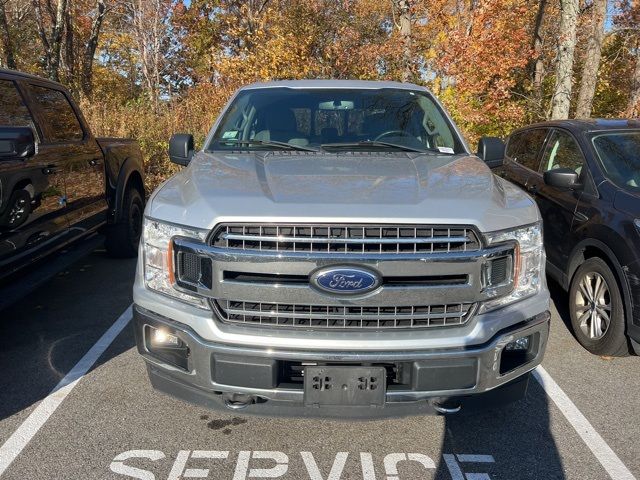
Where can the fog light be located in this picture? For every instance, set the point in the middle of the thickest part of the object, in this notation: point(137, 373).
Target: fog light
point(162, 338)
point(162, 344)
point(520, 344)
point(519, 352)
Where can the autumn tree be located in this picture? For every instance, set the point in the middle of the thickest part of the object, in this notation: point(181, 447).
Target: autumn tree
point(561, 100)
point(403, 9)
point(51, 32)
point(7, 58)
point(628, 21)
point(591, 63)
point(150, 32)
point(486, 56)
point(91, 45)
point(538, 42)
point(633, 105)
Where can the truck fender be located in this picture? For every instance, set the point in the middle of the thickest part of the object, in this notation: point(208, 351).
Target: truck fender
point(130, 175)
point(9, 185)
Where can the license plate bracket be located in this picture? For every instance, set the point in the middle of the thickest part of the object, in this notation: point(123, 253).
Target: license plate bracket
point(344, 385)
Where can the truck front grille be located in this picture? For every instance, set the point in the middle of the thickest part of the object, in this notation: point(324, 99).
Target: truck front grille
point(340, 316)
point(372, 239)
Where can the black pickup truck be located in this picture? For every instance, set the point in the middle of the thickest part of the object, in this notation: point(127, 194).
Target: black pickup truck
point(58, 183)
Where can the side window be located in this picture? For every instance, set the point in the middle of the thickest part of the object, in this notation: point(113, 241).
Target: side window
point(62, 124)
point(524, 147)
point(13, 111)
point(562, 152)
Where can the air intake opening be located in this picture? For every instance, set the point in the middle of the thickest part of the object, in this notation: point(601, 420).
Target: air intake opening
point(193, 271)
point(497, 271)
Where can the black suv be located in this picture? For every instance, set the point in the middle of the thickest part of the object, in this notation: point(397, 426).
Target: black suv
point(585, 177)
point(59, 183)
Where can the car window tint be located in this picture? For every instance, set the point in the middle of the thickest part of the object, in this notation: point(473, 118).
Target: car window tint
point(618, 153)
point(13, 111)
point(62, 123)
point(524, 147)
point(562, 152)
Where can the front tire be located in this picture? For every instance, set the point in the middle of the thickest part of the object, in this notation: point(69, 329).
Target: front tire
point(597, 310)
point(17, 211)
point(123, 237)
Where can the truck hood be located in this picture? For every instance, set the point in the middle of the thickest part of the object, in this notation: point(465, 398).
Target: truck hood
point(350, 187)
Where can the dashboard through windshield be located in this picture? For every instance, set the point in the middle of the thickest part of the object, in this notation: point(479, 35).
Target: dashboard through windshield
point(335, 119)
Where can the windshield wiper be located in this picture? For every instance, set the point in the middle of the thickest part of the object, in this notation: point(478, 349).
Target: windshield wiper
point(373, 143)
point(267, 143)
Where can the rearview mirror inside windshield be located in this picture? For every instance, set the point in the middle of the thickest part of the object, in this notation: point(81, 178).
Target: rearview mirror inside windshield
point(336, 105)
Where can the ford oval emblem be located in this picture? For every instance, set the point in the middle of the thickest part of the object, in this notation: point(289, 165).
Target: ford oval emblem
point(345, 280)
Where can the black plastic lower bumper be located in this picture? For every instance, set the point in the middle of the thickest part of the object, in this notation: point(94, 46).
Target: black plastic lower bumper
point(504, 395)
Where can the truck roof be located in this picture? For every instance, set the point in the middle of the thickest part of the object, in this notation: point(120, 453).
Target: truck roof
point(16, 73)
point(329, 84)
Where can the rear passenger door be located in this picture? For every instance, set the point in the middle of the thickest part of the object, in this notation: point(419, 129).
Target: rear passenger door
point(32, 208)
point(522, 157)
point(66, 138)
point(558, 206)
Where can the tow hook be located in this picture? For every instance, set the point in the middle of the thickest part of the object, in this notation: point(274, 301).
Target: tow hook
point(237, 401)
point(447, 410)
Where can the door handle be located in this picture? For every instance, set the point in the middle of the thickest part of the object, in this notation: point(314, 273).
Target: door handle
point(50, 170)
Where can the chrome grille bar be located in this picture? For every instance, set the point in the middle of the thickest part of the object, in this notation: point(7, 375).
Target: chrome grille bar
point(257, 238)
point(374, 239)
point(339, 316)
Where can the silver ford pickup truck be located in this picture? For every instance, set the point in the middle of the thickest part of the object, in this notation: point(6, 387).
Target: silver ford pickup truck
point(336, 250)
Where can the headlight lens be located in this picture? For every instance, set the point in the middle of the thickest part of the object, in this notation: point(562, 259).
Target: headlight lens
point(637, 222)
point(158, 268)
point(529, 264)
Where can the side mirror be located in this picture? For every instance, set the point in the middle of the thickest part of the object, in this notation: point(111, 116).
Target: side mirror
point(181, 148)
point(491, 150)
point(562, 178)
point(16, 142)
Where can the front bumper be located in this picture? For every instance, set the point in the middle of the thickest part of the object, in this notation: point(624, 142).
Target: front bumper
point(214, 372)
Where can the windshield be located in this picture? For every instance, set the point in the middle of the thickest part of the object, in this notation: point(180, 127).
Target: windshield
point(336, 119)
point(619, 153)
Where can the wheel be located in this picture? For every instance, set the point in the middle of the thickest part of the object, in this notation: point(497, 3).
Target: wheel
point(123, 237)
point(597, 310)
point(18, 210)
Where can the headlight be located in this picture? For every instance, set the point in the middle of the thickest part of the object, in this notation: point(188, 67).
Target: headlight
point(158, 258)
point(637, 222)
point(529, 263)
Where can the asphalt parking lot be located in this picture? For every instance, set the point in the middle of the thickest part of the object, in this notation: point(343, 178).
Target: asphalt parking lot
point(109, 424)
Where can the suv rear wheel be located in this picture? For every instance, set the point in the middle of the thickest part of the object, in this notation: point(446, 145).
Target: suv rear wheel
point(123, 237)
point(596, 308)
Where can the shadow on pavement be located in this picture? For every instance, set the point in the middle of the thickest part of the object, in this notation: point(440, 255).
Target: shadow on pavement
point(517, 437)
point(44, 335)
point(510, 442)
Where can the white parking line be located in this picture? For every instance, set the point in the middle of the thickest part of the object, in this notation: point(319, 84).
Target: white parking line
point(27, 430)
point(602, 451)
